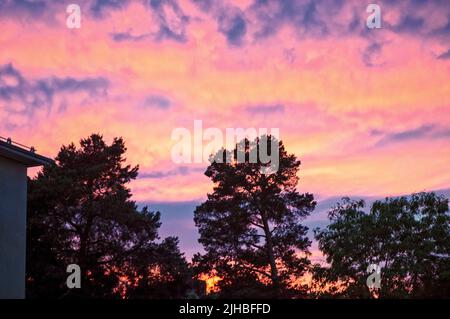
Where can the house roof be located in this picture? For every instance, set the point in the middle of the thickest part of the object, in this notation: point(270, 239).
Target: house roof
point(21, 154)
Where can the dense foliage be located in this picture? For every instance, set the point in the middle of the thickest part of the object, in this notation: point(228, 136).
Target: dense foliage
point(80, 212)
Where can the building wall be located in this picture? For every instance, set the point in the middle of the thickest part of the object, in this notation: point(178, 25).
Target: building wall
point(13, 199)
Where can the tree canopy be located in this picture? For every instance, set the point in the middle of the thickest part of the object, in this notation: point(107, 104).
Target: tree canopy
point(408, 237)
point(80, 212)
point(250, 225)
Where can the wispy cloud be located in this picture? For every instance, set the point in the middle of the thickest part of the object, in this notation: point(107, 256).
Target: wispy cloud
point(426, 131)
point(100, 7)
point(19, 7)
point(234, 27)
point(372, 54)
point(158, 101)
point(20, 95)
point(171, 18)
point(442, 30)
point(410, 24)
point(128, 36)
point(178, 171)
point(265, 109)
point(444, 56)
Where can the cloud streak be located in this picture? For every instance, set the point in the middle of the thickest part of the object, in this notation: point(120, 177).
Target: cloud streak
point(22, 96)
point(426, 131)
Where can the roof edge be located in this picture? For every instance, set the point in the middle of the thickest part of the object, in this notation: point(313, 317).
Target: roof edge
point(22, 155)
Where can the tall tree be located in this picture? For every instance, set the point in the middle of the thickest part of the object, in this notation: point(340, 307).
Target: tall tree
point(408, 237)
point(250, 224)
point(80, 212)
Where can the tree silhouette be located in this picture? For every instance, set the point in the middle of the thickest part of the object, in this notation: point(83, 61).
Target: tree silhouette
point(250, 224)
point(163, 272)
point(79, 211)
point(409, 237)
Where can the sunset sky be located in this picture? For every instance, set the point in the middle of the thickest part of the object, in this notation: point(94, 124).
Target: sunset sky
point(366, 111)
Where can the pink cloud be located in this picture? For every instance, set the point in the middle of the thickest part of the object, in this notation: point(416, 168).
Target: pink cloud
point(331, 100)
